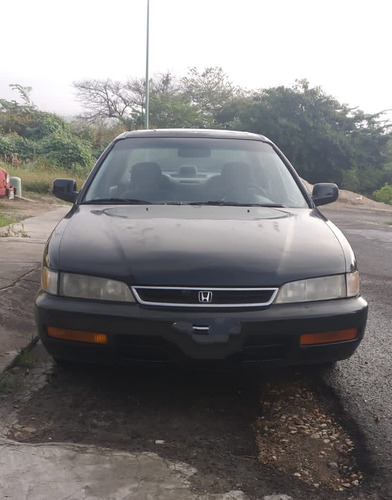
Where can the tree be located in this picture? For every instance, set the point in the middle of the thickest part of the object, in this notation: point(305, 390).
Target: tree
point(30, 134)
point(98, 134)
point(192, 101)
point(210, 92)
point(16, 117)
point(105, 99)
point(169, 106)
point(384, 194)
point(325, 140)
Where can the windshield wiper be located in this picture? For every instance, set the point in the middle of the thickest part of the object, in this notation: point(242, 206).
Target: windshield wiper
point(121, 201)
point(219, 203)
point(270, 205)
point(223, 203)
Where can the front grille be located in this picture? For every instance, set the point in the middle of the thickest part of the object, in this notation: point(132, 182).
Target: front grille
point(256, 348)
point(146, 348)
point(204, 297)
point(155, 349)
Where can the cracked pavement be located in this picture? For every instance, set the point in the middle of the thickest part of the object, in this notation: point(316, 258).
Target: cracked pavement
point(61, 470)
point(20, 264)
point(91, 473)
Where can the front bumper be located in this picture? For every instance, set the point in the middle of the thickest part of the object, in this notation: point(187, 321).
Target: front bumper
point(138, 334)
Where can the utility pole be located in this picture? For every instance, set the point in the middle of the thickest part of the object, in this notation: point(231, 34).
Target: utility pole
point(147, 104)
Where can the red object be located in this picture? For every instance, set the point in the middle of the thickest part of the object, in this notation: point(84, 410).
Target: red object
point(5, 187)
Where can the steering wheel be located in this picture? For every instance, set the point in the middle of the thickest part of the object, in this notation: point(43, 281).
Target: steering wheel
point(248, 187)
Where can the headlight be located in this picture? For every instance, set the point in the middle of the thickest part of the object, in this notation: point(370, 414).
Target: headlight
point(91, 287)
point(85, 287)
point(49, 281)
point(325, 288)
point(352, 282)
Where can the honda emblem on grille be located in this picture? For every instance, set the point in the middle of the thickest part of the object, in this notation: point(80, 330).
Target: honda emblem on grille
point(205, 297)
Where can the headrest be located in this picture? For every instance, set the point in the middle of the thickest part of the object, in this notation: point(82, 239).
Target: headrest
point(236, 171)
point(146, 173)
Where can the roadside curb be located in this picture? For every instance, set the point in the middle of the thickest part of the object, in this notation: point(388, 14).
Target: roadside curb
point(13, 361)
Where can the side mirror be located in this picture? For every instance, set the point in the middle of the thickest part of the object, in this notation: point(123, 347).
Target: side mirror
point(324, 192)
point(65, 189)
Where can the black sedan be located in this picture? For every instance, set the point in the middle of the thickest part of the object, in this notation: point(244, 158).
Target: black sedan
point(198, 246)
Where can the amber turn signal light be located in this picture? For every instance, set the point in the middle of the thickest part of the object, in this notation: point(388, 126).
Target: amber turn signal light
point(77, 335)
point(328, 337)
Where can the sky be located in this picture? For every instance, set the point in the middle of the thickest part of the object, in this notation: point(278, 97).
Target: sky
point(343, 46)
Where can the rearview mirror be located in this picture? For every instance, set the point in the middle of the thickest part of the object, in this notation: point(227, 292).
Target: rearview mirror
point(324, 193)
point(65, 189)
point(188, 152)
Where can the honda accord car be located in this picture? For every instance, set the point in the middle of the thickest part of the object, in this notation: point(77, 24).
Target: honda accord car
point(198, 246)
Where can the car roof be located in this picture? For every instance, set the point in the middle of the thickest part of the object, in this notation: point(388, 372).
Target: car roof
point(197, 133)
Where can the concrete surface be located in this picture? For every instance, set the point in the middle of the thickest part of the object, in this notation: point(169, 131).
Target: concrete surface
point(69, 471)
point(20, 264)
point(61, 470)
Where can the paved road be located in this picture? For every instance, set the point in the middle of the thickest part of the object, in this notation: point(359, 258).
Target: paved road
point(20, 265)
point(364, 383)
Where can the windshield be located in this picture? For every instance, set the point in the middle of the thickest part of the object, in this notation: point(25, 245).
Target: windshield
point(194, 171)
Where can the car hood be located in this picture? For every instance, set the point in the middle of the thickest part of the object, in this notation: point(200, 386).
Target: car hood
point(198, 245)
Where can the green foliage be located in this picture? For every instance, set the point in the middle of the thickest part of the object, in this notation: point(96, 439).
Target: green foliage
point(172, 111)
point(37, 177)
point(8, 383)
point(384, 194)
point(14, 146)
point(304, 122)
point(209, 92)
point(324, 139)
point(65, 150)
point(47, 124)
point(98, 134)
point(27, 134)
point(26, 359)
point(350, 180)
point(193, 101)
point(6, 147)
point(5, 220)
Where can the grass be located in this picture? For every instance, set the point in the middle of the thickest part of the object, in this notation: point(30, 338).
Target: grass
point(6, 220)
point(38, 177)
point(8, 384)
point(26, 359)
point(11, 382)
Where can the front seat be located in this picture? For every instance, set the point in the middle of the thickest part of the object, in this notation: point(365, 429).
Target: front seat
point(148, 183)
point(236, 173)
point(234, 177)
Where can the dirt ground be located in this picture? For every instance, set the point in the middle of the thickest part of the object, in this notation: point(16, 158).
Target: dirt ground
point(22, 208)
point(258, 431)
point(348, 199)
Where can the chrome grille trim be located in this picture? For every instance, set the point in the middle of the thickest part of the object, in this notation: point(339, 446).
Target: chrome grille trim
point(272, 290)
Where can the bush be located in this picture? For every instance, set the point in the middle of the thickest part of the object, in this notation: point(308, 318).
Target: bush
point(350, 180)
point(60, 149)
point(46, 124)
point(384, 194)
point(14, 146)
point(38, 177)
point(6, 147)
point(66, 151)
